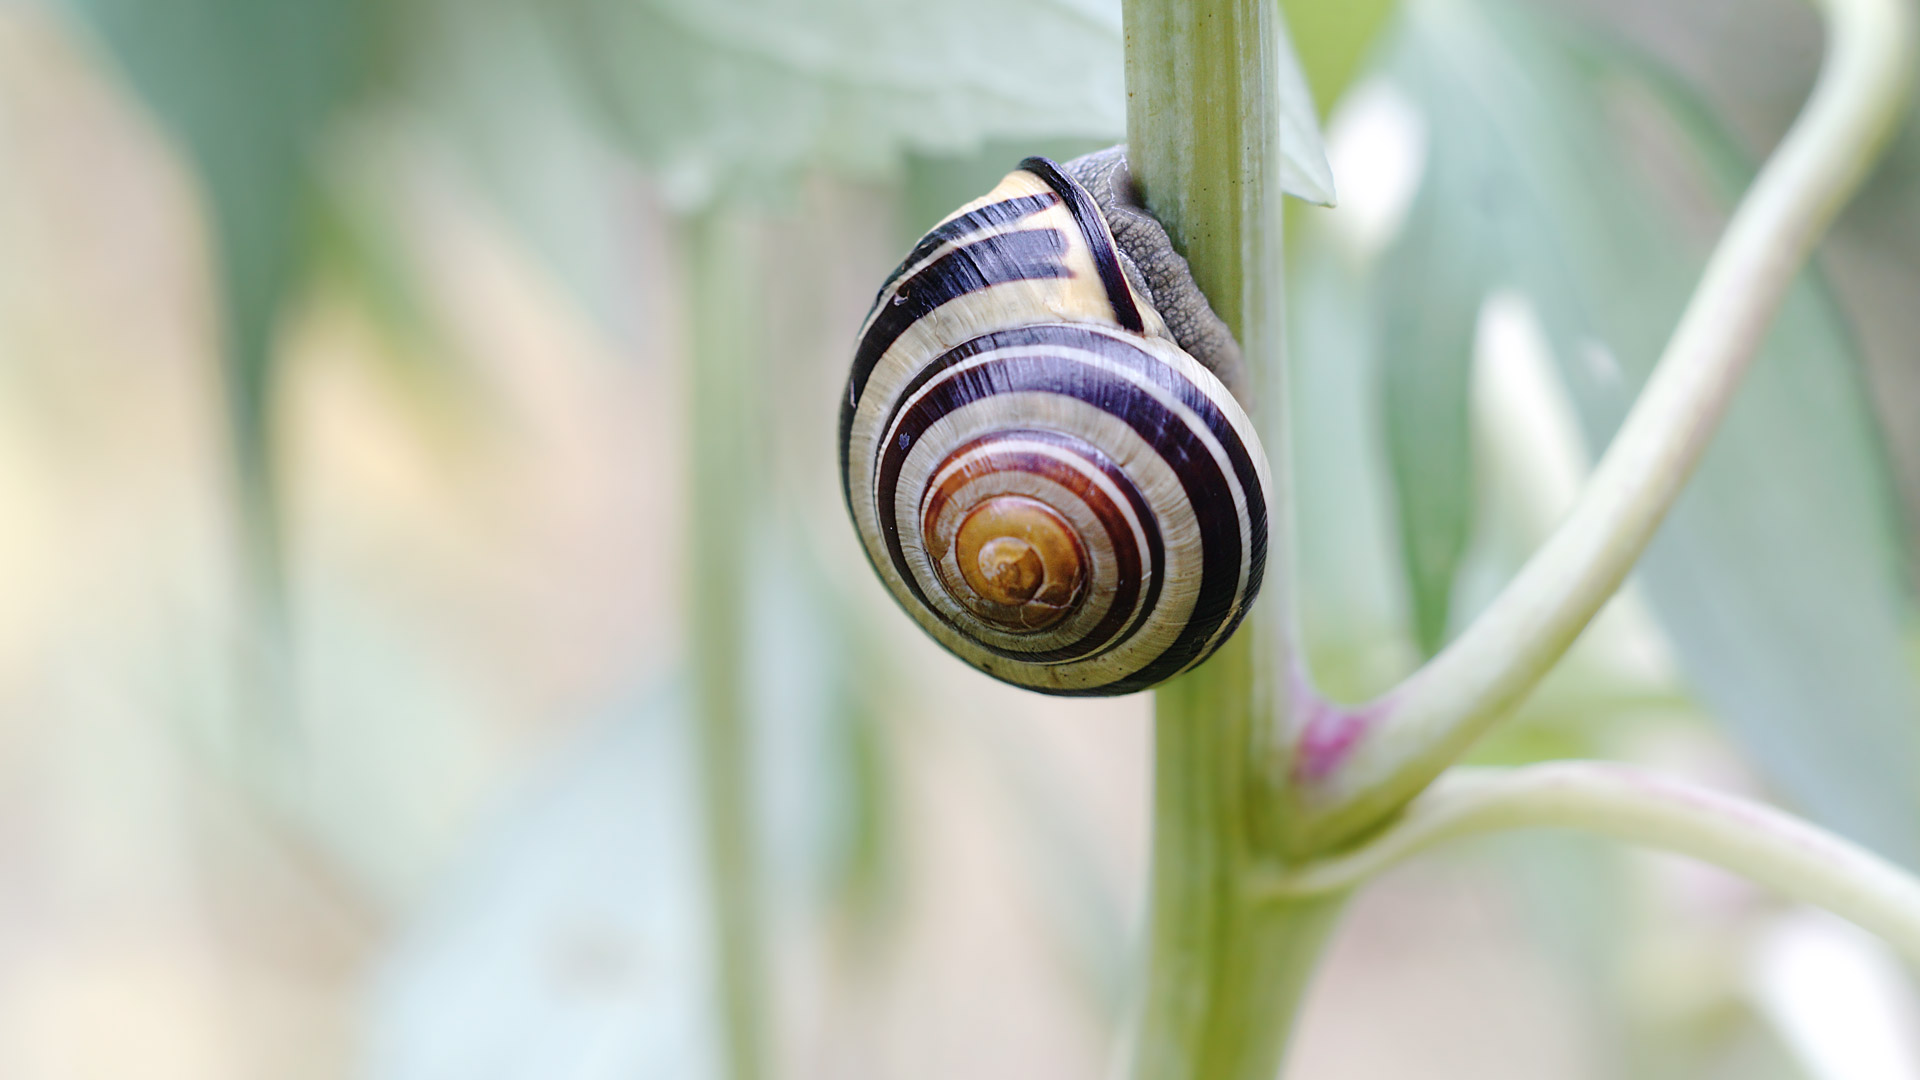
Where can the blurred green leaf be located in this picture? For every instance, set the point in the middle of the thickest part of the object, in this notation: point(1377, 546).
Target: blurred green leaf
point(822, 696)
point(247, 86)
point(731, 97)
point(487, 78)
point(1595, 190)
point(1332, 40)
point(725, 96)
point(574, 941)
point(1085, 913)
point(1352, 603)
point(1428, 296)
point(575, 938)
point(1362, 587)
point(353, 238)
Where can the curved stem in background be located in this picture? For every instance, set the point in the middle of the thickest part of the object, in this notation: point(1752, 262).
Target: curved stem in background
point(1352, 767)
point(1765, 845)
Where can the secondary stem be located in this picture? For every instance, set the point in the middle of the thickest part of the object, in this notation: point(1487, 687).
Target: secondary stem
point(723, 270)
point(1363, 763)
point(1767, 846)
point(1224, 971)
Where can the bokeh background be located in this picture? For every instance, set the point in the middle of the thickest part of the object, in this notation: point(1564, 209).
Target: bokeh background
point(345, 501)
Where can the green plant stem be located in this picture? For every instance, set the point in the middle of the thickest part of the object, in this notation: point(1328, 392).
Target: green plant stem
point(723, 272)
point(1226, 966)
point(1358, 765)
point(1223, 972)
point(1765, 845)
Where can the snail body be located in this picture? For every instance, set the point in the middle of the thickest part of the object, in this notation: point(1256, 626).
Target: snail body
point(1044, 478)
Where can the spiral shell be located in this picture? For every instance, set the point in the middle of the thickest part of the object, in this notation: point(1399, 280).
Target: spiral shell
point(1042, 476)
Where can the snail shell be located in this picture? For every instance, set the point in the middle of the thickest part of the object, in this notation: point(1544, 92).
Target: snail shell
point(1043, 470)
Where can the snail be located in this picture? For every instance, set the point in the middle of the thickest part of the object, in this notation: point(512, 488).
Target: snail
point(1041, 444)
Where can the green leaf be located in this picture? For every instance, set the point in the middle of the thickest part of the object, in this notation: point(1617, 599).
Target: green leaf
point(247, 87)
point(729, 97)
point(575, 935)
point(722, 97)
point(1352, 605)
point(484, 78)
point(573, 939)
point(1427, 302)
point(1304, 172)
point(1778, 574)
point(1333, 40)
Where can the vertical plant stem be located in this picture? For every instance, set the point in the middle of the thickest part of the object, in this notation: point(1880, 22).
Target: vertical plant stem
point(724, 493)
point(1224, 972)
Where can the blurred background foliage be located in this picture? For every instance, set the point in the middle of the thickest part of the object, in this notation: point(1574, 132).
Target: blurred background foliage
point(345, 490)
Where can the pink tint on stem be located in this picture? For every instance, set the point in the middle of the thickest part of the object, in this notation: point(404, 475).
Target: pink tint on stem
point(1329, 734)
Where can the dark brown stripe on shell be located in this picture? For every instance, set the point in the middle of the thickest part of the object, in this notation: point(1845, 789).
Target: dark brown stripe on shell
point(1094, 227)
point(1221, 601)
point(990, 216)
point(1027, 255)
